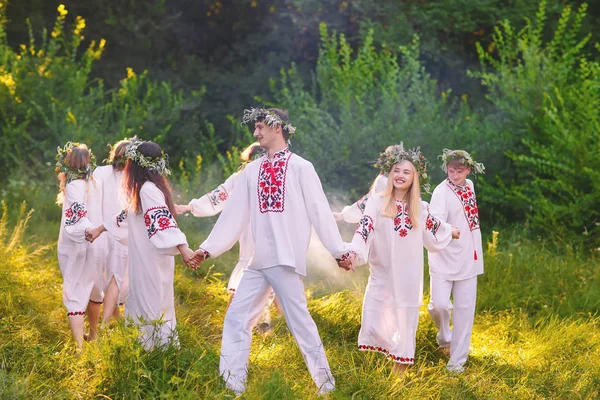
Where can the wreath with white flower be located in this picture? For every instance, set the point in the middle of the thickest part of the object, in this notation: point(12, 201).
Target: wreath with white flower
point(269, 117)
point(159, 164)
point(73, 173)
point(464, 158)
point(396, 154)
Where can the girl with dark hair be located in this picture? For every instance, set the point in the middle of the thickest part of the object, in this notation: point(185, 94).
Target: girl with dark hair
point(153, 239)
point(108, 183)
point(77, 259)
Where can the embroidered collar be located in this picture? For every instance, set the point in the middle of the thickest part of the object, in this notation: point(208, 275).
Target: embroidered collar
point(280, 154)
point(457, 187)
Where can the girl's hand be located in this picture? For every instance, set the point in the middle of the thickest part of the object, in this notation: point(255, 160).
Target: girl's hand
point(338, 216)
point(180, 209)
point(188, 255)
point(455, 232)
point(92, 234)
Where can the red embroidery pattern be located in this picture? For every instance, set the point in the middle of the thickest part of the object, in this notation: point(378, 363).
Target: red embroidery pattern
point(386, 352)
point(365, 227)
point(469, 203)
point(74, 213)
point(271, 182)
point(402, 221)
point(74, 313)
point(432, 224)
point(217, 196)
point(158, 219)
point(347, 255)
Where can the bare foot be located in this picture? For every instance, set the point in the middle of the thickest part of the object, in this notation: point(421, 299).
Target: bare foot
point(445, 351)
point(400, 369)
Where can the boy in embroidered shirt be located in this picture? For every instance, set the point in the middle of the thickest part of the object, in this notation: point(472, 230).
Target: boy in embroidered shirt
point(454, 270)
point(280, 195)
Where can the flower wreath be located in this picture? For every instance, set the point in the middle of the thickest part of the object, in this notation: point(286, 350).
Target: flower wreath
point(270, 118)
point(396, 154)
point(159, 164)
point(73, 173)
point(465, 159)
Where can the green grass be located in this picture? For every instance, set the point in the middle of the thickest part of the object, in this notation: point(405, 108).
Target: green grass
point(536, 333)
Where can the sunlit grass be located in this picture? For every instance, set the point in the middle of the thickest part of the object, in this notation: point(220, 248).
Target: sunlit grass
point(536, 335)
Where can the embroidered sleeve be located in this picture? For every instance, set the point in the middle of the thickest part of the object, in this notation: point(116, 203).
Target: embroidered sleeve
point(365, 227)
point(437, 234)
point(119, 219)
point(432, 224)
point(362, 202)
point(218, 196)
point(74, 213)
point(158, 219)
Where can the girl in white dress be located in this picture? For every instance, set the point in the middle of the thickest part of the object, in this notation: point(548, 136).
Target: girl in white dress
point(153, 239)
point(108, 189)
point(395, 227)
point(78, 259)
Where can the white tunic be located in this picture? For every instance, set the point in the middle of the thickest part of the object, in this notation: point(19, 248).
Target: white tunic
point(108, 183)
point(152, 237)
point(463, 259)
point(78, 259)
point(281, 199)
point(213, 203)
point(394, 249)
point(354, 212)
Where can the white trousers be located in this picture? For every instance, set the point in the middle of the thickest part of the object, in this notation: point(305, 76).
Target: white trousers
point(244, 311)
point(464, 294)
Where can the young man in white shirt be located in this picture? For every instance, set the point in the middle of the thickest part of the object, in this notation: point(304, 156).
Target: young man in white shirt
point(454, 270)
point(281, 196)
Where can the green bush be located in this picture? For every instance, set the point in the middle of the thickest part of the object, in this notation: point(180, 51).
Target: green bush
point(546, 94)
point(361, 102)
point(47, 96)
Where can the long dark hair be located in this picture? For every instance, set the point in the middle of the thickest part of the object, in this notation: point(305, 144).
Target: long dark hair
point(134, 176)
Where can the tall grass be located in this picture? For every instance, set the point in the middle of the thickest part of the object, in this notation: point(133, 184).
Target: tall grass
point(536, 334)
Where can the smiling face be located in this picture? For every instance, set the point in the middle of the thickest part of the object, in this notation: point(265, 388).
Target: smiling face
point(268, 137)
point(403, 175)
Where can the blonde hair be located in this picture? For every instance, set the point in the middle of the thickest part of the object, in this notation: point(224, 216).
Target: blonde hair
point(250, 152)
point(116, 157)
point(413, 197)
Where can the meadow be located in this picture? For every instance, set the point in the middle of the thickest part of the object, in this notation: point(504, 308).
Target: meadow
point(536, 333)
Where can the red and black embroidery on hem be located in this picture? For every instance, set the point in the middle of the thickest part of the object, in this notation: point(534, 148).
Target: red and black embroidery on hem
point(75, 313)
point(218, 196)
point(386, 352)
point(402, 221)
point(74, 213)
point(158, 219)
point(271, 182)
point(121, 218)
point(466, 196)
point(365, 227)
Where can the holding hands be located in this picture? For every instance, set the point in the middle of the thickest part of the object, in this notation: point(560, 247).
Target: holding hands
point(346, 262)
point(92, 234)
point(182, 209)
